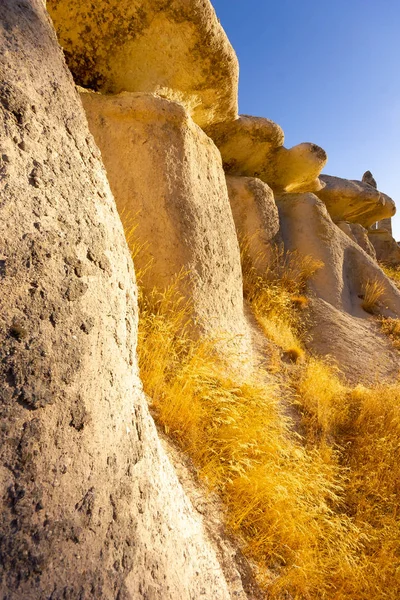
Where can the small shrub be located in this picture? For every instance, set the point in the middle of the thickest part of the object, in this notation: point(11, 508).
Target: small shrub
point(391, 328)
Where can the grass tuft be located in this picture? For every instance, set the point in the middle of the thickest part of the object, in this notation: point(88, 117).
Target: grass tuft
point(372, 293)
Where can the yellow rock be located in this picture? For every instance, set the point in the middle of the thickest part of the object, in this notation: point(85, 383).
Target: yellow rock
point(253, 147)
point(355, 201)
point(176, 49)
point(167, 174)
point(256, 217)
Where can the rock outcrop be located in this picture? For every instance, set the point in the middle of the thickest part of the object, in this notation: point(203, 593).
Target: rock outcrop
point(358, 234)
point(355, 201)
point(339, 288)
point(90, 506)
point(253, 147)
point(256, 217)
point(386, 248)
point(167, 174)
point(175, 49)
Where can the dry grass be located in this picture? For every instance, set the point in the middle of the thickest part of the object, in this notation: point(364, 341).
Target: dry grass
point(391, 328)
point(372, 293)
point(277, 296)
point(392, 272)
point(318, 516)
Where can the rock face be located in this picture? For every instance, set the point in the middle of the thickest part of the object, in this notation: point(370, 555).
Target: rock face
point(253, 147)
point(386, 248)
point(358, 234)
point(355, 201)
point(369, 179)
point(256, 217)
point(167, 173)
point(176, 49)
point(339, 288)
point(90, 506)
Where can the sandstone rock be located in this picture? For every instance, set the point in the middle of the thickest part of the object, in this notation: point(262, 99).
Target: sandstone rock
point(339, 285)
point(386, 248)
point(358, 234)
point(355, 201)
point(369, 179)
point(90, 506)
point(253, 147)
point(167, 173)
point(175, 49)
point(255, 215)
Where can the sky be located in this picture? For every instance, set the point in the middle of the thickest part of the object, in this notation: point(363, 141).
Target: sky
point(328, 72)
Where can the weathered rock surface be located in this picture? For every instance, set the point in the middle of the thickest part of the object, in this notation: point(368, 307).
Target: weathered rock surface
point(355, 201)
point(339, 286)
point(358, 234)
point(253, 147)
point(256, 217)
point(386, 248)
point(167, 174)
point(176, 49)
point(90, 506)
point(369, 179)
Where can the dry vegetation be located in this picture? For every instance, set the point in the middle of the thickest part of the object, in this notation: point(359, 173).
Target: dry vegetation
point(393, 273)
point(317, 514)
point(372, 293)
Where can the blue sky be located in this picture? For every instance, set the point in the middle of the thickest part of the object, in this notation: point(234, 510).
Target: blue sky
point(328, 71)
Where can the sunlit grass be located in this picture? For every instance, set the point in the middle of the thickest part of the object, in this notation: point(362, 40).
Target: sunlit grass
point(372, 293)
point(318, 515)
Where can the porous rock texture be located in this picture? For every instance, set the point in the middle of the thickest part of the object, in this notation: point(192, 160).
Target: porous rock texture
point(177, 49)
point(167, 174)
point(256, 218)
point(386, 248)
point(339, 327)
point(355, 201)
point(90, 505)
point(253, 147)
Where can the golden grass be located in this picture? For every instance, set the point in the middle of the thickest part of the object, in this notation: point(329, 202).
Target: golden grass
point(391, 328)
point(372, 293)
point(392, 272)
point(319, 516)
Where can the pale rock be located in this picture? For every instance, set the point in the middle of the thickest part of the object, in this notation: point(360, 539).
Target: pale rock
point(358, 234)
point(338, 288)
point(256, 217)
point(176, 49)
point(90, 507)
point(370, 179)
point(253, 147)
point(355, 201)
point(167, 175)
point(386, 248)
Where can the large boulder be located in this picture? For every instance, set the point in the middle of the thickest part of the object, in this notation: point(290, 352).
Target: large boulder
point(90, 507)
point(167, 175)
point(386, 248)
point(256, 218)
point(355, 201)
point(176, 49)
point(253, 147)
point(339, 287)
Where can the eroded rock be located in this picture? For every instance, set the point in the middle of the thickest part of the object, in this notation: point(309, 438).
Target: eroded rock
point(176, 49)
point(386, 248)
point(355, 201)
point(256, 217)
point(358, 234)
point(90, 506)
point(339, 287)
point(167, 174)
point(253, 147)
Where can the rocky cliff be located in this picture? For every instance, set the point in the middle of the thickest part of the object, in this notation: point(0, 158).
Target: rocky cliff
point(91, 503)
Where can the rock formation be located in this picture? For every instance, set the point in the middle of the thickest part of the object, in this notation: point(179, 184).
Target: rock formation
point(175, 49)
point(253, 147)
point(256, 217)
point(90, 506)
point(386, 248)
point(167, 174)
point(342, 329)
point(355, 201)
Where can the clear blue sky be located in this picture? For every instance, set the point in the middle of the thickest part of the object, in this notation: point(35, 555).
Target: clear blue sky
point(328, 71)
